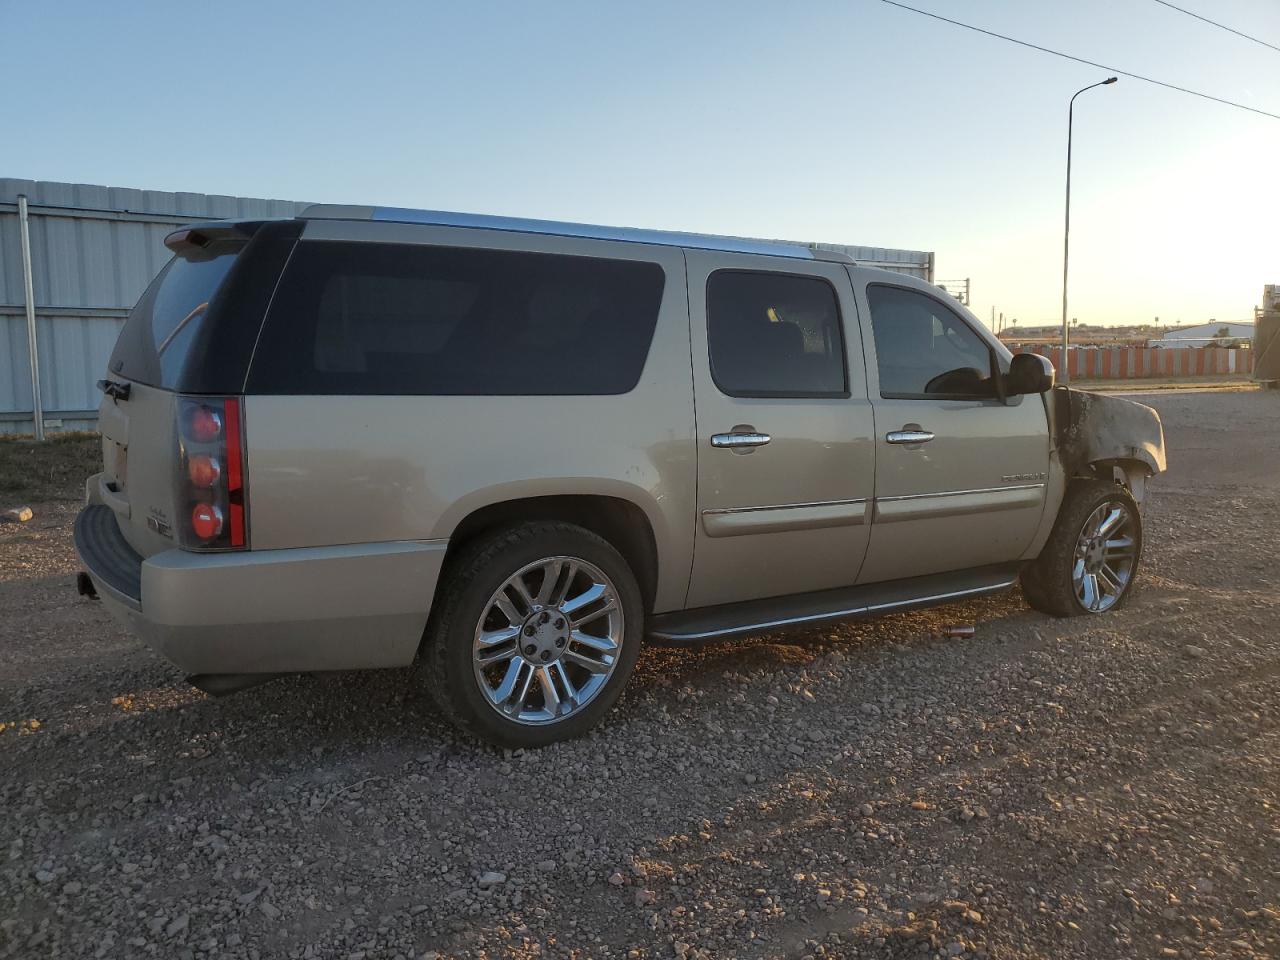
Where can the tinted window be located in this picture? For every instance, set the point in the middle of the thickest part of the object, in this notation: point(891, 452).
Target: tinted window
point(156, 341)
point(367, 318)
point(924, 349)
point(774, 335)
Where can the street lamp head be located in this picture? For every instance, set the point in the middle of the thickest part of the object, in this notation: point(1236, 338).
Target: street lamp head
point(1109, 80)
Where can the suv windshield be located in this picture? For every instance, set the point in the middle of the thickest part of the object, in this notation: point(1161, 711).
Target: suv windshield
point(161, 329)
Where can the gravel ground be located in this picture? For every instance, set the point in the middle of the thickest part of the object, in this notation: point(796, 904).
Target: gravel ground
point(1089, 788)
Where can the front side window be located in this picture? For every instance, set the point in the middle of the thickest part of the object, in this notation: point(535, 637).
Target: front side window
point(375, 318)
point(924, 350)
point(774, 335)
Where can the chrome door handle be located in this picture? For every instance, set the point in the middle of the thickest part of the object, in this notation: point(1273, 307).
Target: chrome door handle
point(909, 436)
point(737, 440)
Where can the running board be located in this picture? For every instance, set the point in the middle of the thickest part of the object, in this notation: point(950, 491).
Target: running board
point(687, 627)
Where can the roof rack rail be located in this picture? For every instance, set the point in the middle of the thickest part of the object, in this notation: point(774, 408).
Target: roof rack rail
point(667, 238)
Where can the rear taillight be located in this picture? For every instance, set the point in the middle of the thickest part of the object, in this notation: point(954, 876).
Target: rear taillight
point(213, 506)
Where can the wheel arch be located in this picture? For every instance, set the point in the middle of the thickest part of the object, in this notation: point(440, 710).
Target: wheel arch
point(1131, 473)
point(620, 521)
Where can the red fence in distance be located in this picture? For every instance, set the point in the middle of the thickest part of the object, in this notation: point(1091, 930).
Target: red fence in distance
point(1162, 363)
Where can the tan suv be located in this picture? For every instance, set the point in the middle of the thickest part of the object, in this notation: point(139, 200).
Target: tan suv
point(517, 449)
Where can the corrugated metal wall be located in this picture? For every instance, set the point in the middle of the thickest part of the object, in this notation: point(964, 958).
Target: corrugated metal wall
point(914, 263)
point(94, 250)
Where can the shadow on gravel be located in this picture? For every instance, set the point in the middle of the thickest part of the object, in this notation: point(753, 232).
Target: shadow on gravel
point(382, 718)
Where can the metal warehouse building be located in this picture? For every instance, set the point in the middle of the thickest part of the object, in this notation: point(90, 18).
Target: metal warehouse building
point(74, 258)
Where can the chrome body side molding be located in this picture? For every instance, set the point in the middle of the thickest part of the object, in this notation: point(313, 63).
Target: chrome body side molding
point(737, 521)
point(953, 503)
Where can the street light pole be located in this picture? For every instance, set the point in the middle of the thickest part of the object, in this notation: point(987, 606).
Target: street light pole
point(1066, 231)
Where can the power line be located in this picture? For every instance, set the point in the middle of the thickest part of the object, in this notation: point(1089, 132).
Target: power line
point(1091, 63)
point(1215, 23)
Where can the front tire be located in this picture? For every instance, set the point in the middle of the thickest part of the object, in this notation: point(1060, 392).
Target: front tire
point(536, 632)
point(1090, 561)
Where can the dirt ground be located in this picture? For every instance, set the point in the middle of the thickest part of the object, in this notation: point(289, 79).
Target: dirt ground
point(1103, 787)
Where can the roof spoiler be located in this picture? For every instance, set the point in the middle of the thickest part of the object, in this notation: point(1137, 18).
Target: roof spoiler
point(204, 241)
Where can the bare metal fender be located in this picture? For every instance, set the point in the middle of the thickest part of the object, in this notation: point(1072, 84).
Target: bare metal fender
point(1095, 428)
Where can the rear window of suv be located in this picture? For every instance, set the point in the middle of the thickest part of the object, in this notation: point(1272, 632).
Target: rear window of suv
point(157, 338)
point(374, 318)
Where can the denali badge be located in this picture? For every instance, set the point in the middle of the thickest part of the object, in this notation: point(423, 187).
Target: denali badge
point(160, 526)
point(1021, 477)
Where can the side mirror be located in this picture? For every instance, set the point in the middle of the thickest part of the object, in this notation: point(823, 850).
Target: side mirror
point(1029, 373)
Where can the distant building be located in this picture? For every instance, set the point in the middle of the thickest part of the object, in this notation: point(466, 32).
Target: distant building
point(1205, 334)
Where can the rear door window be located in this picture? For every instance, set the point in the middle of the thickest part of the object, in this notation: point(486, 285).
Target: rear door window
point(774, 335)
point(155, 343)
point(372, 318)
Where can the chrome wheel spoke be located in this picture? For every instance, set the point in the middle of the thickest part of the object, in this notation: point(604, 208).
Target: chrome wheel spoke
point(550, 696)
point(493, 638)
point(503, 604)
point(1119, 547)
point(1111, 522)
point(603, 644)
point(608, 606)
point(1089, 591)
point(566, 583)
point(509, 682)
point(1110, 580)
point(570, 691)
point(523, 696)
point(551, 571)
point(587, 663)
point(496, 653)
point(588, 596)
point(557, 578)
point(522, 592)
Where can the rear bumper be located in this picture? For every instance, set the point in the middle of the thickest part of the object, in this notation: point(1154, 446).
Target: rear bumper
point(266, 611)
point(113, 565)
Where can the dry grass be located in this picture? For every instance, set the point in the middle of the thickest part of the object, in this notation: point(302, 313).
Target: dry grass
point(33, 472)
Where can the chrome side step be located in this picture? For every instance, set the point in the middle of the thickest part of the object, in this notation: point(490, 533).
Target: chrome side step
point(705, 624)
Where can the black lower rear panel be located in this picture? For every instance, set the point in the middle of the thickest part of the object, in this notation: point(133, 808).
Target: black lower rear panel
point(106, 553)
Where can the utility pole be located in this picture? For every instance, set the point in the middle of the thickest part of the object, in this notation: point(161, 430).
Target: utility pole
point(33, 349)
point(1066, 230)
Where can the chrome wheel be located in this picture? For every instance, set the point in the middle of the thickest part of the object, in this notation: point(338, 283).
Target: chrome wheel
point(548, 640)
point(1105, 554)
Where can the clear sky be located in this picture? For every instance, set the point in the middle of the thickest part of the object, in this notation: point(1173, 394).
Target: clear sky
point(846, 121)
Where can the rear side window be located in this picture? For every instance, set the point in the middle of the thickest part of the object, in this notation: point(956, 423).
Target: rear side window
point(924, 350)
point(372, 318)
point(156, 341)
point(774, 335)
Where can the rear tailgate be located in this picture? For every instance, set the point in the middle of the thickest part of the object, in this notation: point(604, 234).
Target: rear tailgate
point(177, 339)
point(140, 460)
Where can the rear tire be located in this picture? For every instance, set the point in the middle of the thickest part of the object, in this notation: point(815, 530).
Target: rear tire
point(1090, 562)
point(535, 632)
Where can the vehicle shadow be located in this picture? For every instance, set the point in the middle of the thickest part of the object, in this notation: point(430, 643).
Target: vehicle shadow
point(378, 721)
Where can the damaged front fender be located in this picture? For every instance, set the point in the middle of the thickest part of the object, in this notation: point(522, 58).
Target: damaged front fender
point(1095, 430)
